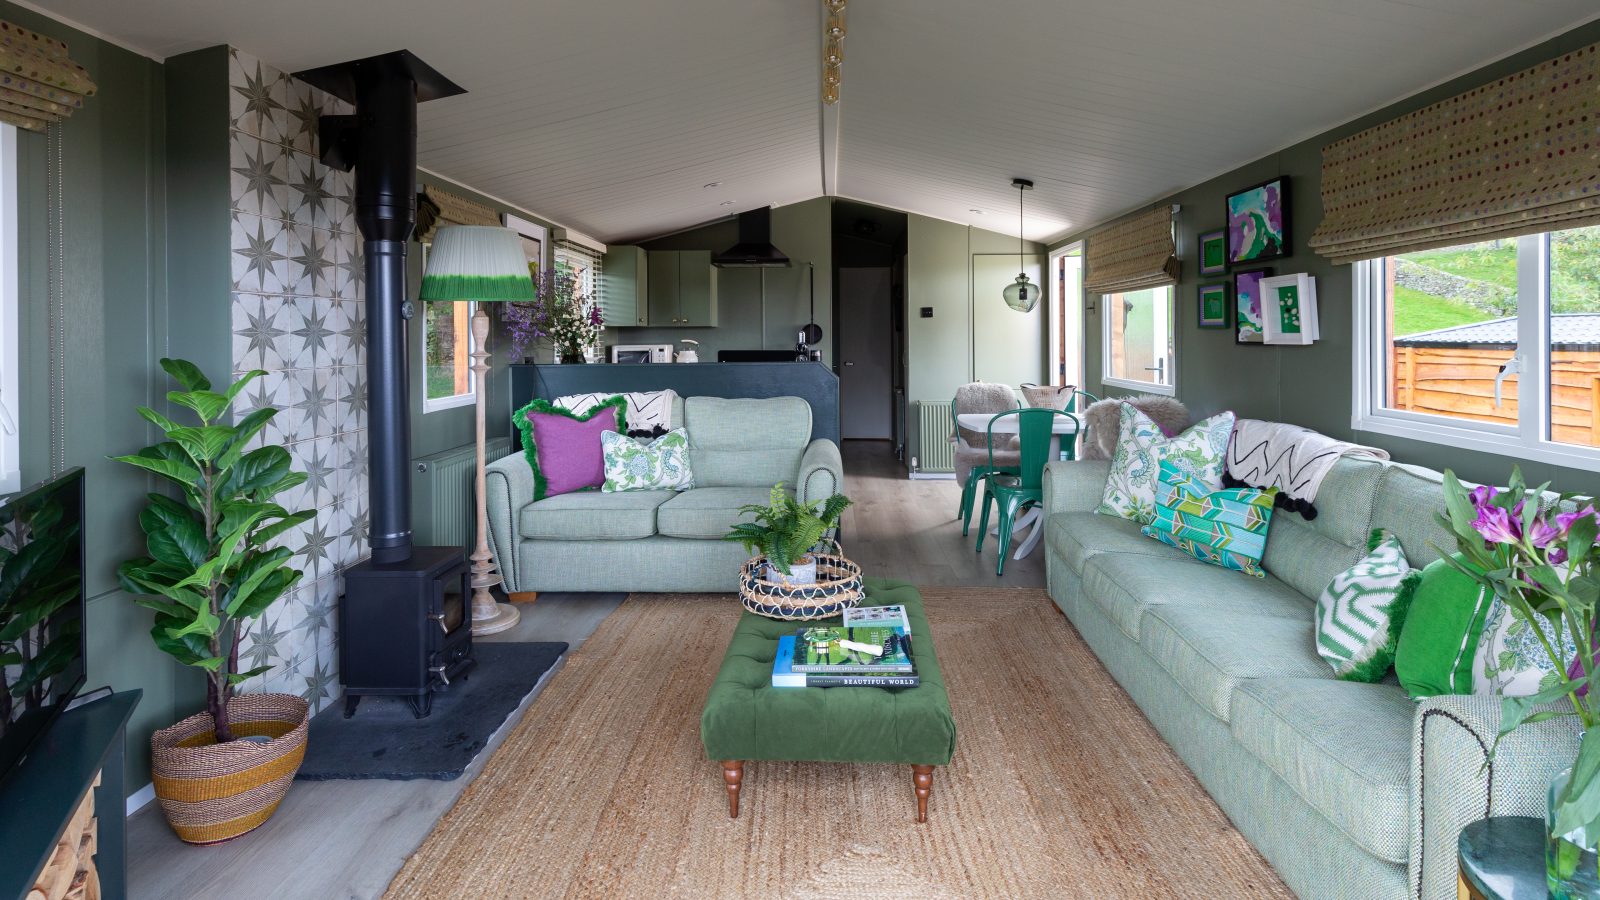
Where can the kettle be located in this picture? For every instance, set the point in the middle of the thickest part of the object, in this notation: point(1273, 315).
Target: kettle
point(688, 354)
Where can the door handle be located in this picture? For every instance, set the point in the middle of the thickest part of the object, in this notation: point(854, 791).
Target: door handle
point(1513, 366)
point(849, 363)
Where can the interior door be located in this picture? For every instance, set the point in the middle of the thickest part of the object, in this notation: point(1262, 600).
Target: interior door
point(866, 369)
point(1008, 347)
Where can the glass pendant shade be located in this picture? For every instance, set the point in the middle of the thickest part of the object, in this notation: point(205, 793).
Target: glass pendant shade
point(1022, 295)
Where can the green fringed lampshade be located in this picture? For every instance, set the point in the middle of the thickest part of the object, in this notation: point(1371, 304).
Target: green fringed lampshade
point(484, 263)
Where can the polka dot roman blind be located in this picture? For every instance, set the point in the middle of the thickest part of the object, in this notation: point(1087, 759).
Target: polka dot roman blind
point(1132, 254)
point(1516, 156)
point(39, 83)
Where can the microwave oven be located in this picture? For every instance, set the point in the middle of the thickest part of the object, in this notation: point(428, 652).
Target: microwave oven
point(641, 353)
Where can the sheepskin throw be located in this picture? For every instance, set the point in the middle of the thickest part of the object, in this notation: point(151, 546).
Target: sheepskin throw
point(1102, 419)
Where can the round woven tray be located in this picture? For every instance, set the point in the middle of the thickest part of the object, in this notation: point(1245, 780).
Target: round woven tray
point(837, 588)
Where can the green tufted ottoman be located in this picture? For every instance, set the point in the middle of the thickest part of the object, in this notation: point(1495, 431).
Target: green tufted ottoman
point(746, 718)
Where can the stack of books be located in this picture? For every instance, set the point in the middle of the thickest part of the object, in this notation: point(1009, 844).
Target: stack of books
point(872, 648)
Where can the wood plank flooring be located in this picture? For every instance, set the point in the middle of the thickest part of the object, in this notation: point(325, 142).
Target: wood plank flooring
point(346, 839)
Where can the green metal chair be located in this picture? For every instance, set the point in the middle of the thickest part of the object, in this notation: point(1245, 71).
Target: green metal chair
point(1013, 493)
point(978, 474)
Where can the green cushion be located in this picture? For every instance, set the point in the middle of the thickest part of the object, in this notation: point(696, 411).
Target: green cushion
point(1441, 631)
point(1226, 528)
point(1360, 612)
point(707, 513)
point(746, 718)
point(746, 442)
point(593, 516)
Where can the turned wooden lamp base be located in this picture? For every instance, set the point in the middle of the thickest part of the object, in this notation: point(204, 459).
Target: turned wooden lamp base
point(733, 779)
point(496, 618)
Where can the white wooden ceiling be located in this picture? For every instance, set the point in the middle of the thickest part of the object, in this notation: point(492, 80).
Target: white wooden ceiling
point(611, 118)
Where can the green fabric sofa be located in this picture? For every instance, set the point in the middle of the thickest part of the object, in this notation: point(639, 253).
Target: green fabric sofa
point(661, 540)
point(1349, 790)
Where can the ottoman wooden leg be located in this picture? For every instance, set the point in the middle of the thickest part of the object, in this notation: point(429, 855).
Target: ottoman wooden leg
point(922, 777)
point(733, 776)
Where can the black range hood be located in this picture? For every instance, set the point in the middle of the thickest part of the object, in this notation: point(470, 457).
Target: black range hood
point(754, 250)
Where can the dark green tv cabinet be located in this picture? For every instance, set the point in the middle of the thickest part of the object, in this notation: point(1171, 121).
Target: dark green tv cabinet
point(39, 797)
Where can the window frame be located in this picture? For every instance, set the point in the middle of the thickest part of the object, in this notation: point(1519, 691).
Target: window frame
point(454, 401)
point(10, 318)
point(1170, 388)
point(1066, 329)
point(1529, 439)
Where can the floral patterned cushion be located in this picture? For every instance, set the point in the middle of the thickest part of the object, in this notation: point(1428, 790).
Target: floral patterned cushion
point(643, 465)
point(1142, 446)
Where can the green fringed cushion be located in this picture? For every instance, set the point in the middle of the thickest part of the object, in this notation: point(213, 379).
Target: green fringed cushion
point(564, 447)
point(1361, 612)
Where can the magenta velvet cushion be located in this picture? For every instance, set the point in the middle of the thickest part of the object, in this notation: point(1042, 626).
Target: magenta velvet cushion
point(564, 447)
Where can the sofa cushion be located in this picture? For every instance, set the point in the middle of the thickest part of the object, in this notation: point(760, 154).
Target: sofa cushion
point(1127, 585)
point(1209, 650)
point(738, 443)
point(594, 516)
point(1308, 554)
point(1080, 535)
point(1343, 747)
point(708, 512)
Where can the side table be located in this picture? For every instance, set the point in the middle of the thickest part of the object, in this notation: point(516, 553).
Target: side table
point(1502, 858)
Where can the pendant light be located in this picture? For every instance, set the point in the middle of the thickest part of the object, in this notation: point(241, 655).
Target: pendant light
point(1021, 295)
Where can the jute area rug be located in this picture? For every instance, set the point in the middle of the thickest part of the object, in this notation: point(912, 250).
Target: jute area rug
point(1059, 786)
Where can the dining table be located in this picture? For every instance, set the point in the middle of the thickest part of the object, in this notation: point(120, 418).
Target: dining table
point(1065, 431)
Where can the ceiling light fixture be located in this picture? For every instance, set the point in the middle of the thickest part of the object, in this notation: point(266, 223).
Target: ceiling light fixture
point(975, 211)
point(832, 49)
point(713, 184)
point(1021, 295)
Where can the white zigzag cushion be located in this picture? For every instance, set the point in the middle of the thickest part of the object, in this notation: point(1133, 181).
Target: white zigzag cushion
point(1360, 612)
point(646, 409)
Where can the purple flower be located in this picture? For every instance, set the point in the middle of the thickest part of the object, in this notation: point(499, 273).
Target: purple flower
point(1557, 555)
point(1482, 494)
point(1565, 521)
point(1541, 533)
point(1496, 526)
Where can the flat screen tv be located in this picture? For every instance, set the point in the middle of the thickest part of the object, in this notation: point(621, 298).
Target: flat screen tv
point(41, 610)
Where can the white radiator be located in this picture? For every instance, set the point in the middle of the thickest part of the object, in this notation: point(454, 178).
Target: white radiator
point(931, 425)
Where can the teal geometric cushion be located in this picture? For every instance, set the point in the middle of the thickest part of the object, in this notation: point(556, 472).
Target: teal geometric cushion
point(1141, 449)
point(1226, 528)
point(1360, 613)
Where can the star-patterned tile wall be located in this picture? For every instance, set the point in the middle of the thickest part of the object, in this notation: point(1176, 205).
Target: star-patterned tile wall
point(298, 314)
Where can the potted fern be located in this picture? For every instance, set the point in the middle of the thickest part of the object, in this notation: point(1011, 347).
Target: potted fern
point(785, 531)
point(211, 569)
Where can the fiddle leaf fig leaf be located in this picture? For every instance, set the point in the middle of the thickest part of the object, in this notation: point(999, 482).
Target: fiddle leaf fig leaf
point(186, 373)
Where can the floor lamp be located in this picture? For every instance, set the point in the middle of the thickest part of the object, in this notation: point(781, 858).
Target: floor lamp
point(480, 264)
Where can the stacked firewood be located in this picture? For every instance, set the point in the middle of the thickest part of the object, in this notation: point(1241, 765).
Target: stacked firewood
point(70, 875)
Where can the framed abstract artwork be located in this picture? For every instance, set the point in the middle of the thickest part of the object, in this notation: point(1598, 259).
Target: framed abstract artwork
point(1258, 221)
point(1289, 309)
point(1247, 327)
point(1213, 305)
point(1213, 253)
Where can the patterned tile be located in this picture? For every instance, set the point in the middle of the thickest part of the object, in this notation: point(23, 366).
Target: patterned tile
point(256, 97)
point(308, 194)
point(257, 176)
point(303, 113)
point(260, 249)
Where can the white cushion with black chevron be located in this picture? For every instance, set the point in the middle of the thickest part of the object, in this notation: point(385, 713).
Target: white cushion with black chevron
point(1360, 612)
point(646, 409)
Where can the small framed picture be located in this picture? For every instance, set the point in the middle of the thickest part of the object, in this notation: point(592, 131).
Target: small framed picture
point(1258, 221)
point(1213, 305)
point(1214, 253)
point(1289, 309)
point(1247, 305)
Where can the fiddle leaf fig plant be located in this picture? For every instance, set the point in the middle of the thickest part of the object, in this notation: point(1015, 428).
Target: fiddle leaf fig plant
point(211, 569)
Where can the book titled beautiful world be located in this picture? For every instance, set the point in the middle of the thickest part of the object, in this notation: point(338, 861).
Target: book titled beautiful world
point(784, 675)
point(853, 651)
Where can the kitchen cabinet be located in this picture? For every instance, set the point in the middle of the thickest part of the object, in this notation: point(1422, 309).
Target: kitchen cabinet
point(682, 289)
point(625, 300)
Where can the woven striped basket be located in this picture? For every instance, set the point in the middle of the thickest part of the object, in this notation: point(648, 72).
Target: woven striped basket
point(216, 792)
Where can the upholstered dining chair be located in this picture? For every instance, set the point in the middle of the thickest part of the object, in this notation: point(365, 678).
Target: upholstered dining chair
point(973, 462)
point(1013, 493)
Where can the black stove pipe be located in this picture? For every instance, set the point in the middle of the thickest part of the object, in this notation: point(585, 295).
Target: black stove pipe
point(380, 141)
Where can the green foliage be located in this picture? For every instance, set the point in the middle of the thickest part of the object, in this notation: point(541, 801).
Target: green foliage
point(1416, 312)
point(210, 566)
point(37, 580)
point(786, 529)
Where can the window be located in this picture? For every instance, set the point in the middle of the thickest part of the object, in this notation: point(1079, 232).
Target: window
point(446, 360)
point(584, 264)
point(1066, 320)
point(10, 341)
point(1491, 346)
point(1138, 340)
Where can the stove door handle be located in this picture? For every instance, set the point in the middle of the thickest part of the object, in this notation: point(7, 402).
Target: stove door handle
point(439, 617)
point(439, 670)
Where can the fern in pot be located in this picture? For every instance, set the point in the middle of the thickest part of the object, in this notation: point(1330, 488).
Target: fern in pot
point(785, 531)
point(211, 570)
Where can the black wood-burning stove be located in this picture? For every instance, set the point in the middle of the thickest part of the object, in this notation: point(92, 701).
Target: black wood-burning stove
point(405, 623)
point(419, 613)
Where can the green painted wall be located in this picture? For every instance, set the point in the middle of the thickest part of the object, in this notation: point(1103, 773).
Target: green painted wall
point(1311, 386)
point(744, 322)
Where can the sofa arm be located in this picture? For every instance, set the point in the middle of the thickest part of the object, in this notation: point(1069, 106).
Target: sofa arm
point(1074, 485)
point(821, 472)
point(508, 482)
point(1451, 787)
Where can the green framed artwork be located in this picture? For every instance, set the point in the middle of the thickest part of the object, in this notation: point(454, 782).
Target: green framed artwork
point(1213, 305)
point(1258, 221)
point(1213, 253)
point(1248, 328)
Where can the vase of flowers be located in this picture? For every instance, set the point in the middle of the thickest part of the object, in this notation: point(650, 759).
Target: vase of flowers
point(1543, 563)
point(560, 312)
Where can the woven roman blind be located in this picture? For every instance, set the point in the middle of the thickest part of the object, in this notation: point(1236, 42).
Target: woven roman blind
point(437, 208)
point(39, 84)
point(1517, 156)
point(1132, 254)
